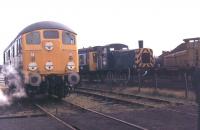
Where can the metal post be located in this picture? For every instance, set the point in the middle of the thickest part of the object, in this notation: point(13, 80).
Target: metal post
point(196, 86)
point(198, 120)
point(186, 85)
point(156, 81)
point(56, 111)
point(139, 81)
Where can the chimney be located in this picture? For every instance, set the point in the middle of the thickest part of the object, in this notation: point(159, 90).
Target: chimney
point(140, 42)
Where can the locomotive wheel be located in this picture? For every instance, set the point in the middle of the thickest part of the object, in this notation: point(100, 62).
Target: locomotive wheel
point(102, 78)
point(50, 88)
point(109, 77)
point(29, 91)
point(61, 91)
point(43, 87)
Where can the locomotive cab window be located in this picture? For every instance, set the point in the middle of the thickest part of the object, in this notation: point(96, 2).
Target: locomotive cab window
point(8, 54)
point(33, 38)
point(4, 58)
point(94, 57)
point(112, 49)
point(13, 51)
point(124, 48)
point(82, 59)
point(145, 58)
point(51, 34)
point(68, 38)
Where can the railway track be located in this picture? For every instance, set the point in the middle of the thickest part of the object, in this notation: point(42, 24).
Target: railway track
point(133, 96)
point(20, 109)
point(21, 115)
point(123, 98)
point(131, 99)
point(99, 114)
point(56, 118)
point(65, 120)
point(30, 109)
point(135, 126)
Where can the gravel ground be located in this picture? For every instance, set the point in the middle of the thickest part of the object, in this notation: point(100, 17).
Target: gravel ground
point(19, 107)
point(100, 105)
point(33, 123)
point(90, 121)
point(82, 119)
point(78, 118)
point(158, 119)
point(164, 93)
point(153, 119)
point(22, 107)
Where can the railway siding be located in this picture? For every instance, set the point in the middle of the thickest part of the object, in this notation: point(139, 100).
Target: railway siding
point(129, 99)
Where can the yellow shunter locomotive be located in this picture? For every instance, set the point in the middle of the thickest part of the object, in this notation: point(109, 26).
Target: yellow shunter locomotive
point(45, 56)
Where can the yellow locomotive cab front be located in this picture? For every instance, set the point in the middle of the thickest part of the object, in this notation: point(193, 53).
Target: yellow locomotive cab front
point(49, 57)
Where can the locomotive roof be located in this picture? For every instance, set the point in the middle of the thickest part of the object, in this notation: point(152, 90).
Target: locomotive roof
point(42, 25)
point(45, 25)
point(117, 45)
point(193, 39)
point(95, 48)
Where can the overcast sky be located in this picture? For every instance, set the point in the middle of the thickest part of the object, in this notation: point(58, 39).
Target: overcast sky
point(162, 24)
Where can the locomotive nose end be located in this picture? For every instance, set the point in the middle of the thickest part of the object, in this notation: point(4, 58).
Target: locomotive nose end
point(73, 78)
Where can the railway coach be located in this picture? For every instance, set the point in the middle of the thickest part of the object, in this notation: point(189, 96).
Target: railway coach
point(45, 56)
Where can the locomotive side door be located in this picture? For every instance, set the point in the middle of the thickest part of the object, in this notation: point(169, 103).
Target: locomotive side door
point(82, 61)
point(92, 61)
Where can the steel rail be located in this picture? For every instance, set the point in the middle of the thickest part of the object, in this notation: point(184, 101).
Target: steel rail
point(108, 116)
point(167, 109)
point(116, 99)
point(56, 118)
point(132, 95)
point(21, 116)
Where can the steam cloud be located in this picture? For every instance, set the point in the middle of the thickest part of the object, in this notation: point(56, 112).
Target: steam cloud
point(3, 99)
point(14, 81)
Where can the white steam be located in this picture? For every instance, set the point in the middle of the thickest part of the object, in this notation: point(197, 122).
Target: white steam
point(14, 85)
point(3, 99)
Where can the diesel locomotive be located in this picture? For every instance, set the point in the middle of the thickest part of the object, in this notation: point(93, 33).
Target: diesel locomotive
point(45, 56)
point(114, 62)
point(184, 56)
point(182, 59)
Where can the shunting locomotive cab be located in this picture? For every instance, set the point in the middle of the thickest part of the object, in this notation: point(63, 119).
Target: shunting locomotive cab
point(46, 56)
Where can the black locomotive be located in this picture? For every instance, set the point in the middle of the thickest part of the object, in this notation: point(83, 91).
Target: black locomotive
point(114, 62)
